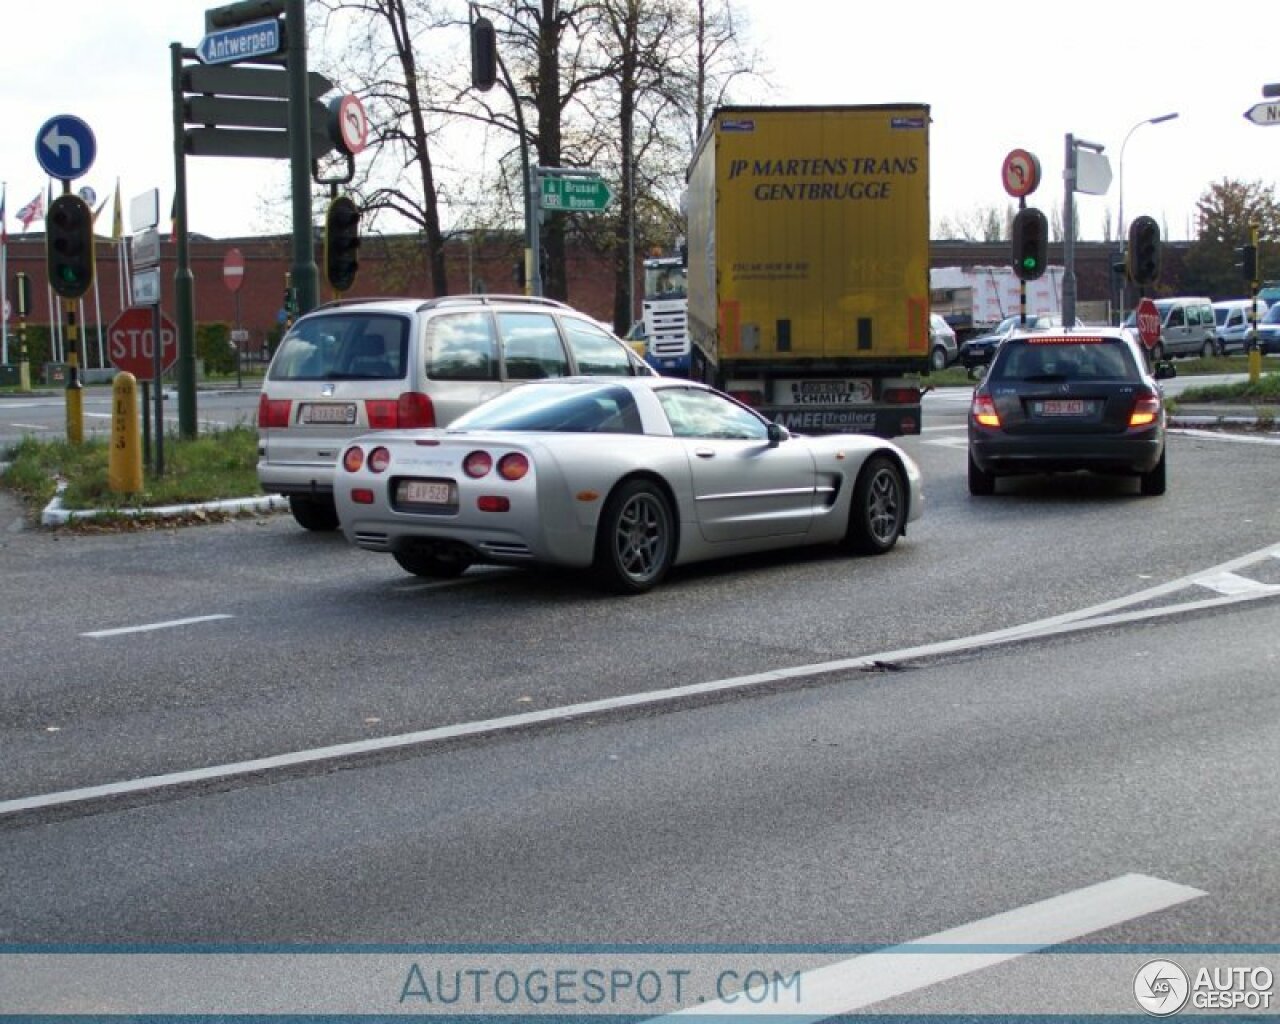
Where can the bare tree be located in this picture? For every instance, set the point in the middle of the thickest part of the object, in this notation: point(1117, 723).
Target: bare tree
point(381, 53)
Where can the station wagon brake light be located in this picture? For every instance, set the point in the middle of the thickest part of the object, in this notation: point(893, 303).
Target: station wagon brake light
point(273, 412)
point(984, 411)
point(1145, 410)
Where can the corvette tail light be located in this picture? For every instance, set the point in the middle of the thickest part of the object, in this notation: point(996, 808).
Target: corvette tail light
point(379, 460)
point(1145, 410)
point(477, 464)
point(273, 412)
point(353, 459)
point(493, 503)
point(984, 412)
point(513, 466)
point(362, 495)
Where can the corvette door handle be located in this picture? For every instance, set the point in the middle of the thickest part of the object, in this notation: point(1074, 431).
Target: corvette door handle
point(705, 453)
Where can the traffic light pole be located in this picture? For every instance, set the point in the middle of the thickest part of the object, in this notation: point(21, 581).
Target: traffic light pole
point(304, 271)
point(75, 387)
point(1255, 351)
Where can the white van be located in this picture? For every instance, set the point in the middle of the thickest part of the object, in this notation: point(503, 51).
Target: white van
point(1234, 325)
point(1187, 328)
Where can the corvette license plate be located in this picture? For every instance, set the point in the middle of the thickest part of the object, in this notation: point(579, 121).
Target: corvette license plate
point(1062, 407)
point(329, 412)
point(426, 492)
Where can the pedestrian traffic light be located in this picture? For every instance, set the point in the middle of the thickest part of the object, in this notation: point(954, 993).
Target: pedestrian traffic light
point(1144, 250)
point(484, 54)
point(341, 242)
point(1247, 262)
point(69, 246)
point(1030, 243)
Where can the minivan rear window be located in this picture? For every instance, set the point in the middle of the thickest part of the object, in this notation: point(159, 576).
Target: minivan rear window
point(343, 346)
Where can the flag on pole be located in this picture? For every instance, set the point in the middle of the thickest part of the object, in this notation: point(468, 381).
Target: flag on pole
point(117, 217)
point(4, 220)
point(34, 210)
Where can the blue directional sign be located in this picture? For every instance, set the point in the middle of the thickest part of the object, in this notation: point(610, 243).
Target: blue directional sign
point(241, 42)
point(65, 147)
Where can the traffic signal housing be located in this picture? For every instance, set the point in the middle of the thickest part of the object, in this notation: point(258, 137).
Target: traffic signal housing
point(484, 54)
point(1247, 262)
point(69, 246)
point(341, 243)
point(1144, 250)
point(1030, 243)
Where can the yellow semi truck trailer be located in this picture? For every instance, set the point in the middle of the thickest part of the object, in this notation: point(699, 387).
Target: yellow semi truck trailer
point(808, 234)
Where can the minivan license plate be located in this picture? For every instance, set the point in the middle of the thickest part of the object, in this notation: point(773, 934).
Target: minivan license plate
point(329, 412)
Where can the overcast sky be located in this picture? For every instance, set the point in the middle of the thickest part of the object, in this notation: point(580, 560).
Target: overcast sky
point(998, 76)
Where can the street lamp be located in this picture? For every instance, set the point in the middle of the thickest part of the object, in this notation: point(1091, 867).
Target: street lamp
point(1151, 120)
point(1124, 286)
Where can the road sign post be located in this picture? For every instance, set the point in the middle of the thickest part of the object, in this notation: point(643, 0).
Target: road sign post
point(233, 278)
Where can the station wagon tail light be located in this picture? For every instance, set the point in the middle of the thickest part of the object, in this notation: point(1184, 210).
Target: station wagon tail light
point(410, 411)
point(379, 460)
point(1145, 410)
point(273, 412)
point(513, 466)
point(477, 464)
point(353, 459)
point(984, 411)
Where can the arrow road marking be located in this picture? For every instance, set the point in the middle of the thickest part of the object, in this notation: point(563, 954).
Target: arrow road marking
point(55, 142)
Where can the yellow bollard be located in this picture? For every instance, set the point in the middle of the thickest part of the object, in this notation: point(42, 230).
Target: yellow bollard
point(1255, 364)
point(124, 467)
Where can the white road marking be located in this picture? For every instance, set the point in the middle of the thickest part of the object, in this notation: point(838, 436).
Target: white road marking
point(152, 626)
point(1107, 613)
point(949, 442)
point(862, 981)
point(1226, 435)
point(32, 426)
point(1232, 583)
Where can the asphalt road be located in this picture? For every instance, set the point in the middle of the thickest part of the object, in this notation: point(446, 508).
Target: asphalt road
point(849, 755)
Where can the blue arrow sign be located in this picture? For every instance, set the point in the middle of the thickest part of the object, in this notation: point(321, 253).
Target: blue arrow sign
point(65, 147)
point(242, 42)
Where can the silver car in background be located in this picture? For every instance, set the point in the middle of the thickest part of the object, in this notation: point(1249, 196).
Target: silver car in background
point(627, 477)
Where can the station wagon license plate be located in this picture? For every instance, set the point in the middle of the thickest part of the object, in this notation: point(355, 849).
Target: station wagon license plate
point(329, 412)
point(426, 492)
point(1061, 407)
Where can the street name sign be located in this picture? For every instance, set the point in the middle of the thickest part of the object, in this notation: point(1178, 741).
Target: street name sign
point(577, 192)
point(271, 83)
point(1264, 113)
point(65, 147)
point(243, 42)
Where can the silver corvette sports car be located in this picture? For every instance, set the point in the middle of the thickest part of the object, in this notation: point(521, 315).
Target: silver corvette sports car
point(625, 476)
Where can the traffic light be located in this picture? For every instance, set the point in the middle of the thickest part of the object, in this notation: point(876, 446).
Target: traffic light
point(484, 54)
point(1144, 250)
point(1247, 262)
point(69, 246)
point(1030, 243)
point(341, 242)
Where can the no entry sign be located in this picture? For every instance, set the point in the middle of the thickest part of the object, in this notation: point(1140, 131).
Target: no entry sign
point(233, 270)
point(131, 342)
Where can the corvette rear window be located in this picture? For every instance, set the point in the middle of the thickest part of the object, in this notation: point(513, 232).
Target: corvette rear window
point(607, 410)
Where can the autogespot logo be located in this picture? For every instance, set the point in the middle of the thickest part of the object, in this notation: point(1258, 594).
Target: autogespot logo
point(1161, 987)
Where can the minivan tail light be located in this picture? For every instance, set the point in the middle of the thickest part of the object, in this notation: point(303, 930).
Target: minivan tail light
point(410, 411)
point(273, 412)
point(1145, 410)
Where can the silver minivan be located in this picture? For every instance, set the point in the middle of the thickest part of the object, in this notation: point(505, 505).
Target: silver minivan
point(353, 366)
point(1187, 328)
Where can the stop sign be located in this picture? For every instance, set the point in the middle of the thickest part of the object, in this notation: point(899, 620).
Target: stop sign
point(233, 270)
point(131, 342)
point(1148, 318)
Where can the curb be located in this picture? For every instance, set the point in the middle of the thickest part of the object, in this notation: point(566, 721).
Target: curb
point(55, 515)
